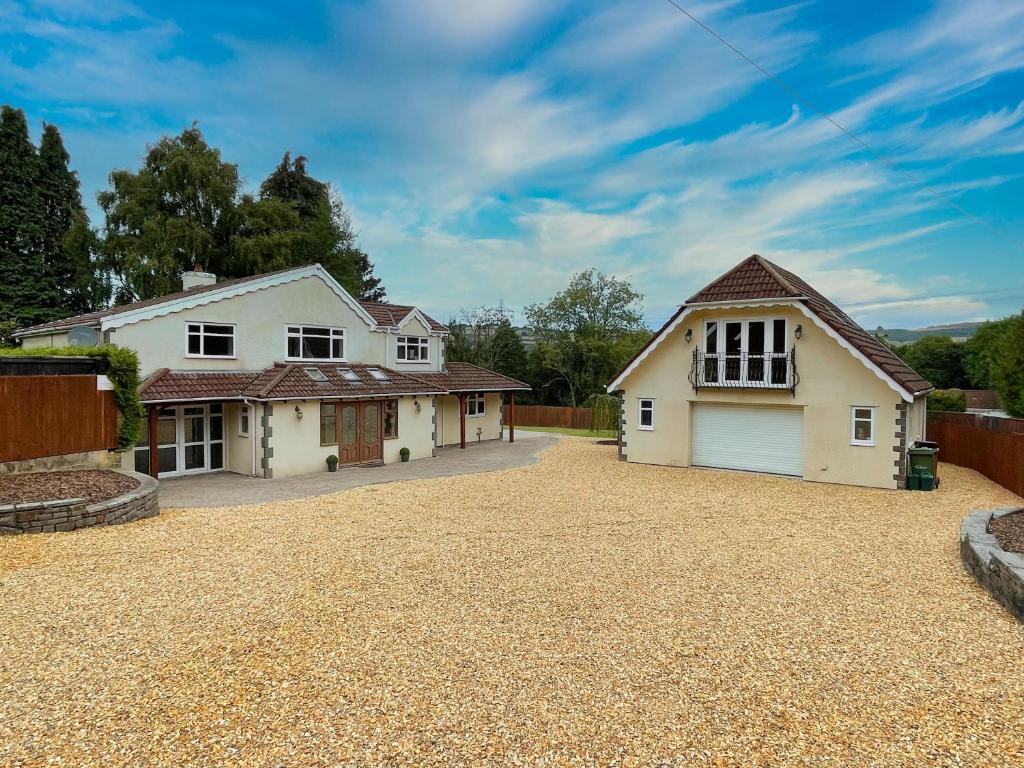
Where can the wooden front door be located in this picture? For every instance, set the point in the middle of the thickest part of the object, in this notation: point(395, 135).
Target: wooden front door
point(359, 433)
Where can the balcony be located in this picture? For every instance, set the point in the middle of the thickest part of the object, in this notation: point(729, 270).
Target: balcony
point(772, 370)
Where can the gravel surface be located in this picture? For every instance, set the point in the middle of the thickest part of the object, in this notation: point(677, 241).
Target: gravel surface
point(1009, 531)
point(90, 484)
point(582, 611)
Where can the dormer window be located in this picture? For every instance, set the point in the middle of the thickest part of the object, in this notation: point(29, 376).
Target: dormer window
point(313, 342)
point(211, 340)
point(413, 349)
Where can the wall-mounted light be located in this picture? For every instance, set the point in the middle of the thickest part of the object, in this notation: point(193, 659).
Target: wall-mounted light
point(418, 406)
point(689, 335)
point(799, 331)
point(298, 413)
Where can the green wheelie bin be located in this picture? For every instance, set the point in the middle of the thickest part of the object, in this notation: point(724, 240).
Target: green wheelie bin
point(923, 458)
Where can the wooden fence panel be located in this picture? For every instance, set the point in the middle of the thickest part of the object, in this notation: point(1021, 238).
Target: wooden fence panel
point(53, 415)
point(990, 445)
point(551, 416)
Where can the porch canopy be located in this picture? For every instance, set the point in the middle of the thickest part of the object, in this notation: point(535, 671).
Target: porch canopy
point(465, 379)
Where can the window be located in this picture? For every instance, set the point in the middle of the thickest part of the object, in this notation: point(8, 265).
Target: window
point(328, 424)
point(211, 340)
point(243, 421)
point(378, 374)
point(476, 405)
point(317, 375)
point(414, 349)
point(390, 419)
point(310, 342)
point(863, 425)
point(349, 375)
point(646, 419)
point(746, 353)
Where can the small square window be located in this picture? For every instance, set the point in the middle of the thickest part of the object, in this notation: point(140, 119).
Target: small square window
point(390, 419)
point(863, 425)
point(646, 418)
point(476, 405)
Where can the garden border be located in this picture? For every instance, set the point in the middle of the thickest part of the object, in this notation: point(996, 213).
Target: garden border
point(998, 571)
point(72, 514)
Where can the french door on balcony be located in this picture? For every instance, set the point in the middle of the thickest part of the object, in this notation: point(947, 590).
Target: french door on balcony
point(740, 353)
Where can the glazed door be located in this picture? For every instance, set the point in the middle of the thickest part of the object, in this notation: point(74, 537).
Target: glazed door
point(348, 433)
point(369, 432)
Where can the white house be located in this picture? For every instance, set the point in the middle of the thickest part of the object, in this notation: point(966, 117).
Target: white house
point(269, 375)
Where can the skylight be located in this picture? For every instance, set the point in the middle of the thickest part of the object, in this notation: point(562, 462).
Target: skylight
point(378, 374)
point(349, 375)
point(316, 375)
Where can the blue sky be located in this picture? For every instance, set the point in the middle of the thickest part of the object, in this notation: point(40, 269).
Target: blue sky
point(489, 149)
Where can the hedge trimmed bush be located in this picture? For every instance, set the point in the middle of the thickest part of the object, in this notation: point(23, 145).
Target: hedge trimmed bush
point(947, 400)
point(123, 375)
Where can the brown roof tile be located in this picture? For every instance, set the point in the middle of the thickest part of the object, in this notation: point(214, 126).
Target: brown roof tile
point(292, 381)
point(393, 314)
point(166, 385)
point(758, 278)
point(466, 377)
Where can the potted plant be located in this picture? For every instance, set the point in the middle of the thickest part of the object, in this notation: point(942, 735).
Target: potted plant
point(404, 453)
point(332, 463)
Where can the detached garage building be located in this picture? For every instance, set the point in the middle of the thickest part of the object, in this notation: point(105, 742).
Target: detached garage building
point(760, 372)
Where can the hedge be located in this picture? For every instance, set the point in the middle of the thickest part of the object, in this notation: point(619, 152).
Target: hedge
point(954, 400)
point(123, 375)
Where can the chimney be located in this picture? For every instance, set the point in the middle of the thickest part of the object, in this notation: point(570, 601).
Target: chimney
point(196, 278)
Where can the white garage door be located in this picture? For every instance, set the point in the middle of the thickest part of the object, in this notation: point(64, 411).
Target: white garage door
point(756, 438)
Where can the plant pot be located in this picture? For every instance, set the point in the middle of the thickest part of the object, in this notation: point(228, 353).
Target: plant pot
point(332, 467)
point(404, 454)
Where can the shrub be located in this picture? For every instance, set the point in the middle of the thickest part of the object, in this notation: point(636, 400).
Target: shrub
point(123, 374)
point(947, 400)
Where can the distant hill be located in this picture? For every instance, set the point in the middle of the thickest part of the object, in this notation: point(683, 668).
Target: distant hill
point(956, 331)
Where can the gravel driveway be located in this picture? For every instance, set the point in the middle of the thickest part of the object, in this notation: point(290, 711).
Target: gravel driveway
point(580, 611)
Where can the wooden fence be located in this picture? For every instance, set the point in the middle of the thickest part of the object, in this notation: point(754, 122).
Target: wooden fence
point(988, 444)
point(551, 416)
point(53, 415)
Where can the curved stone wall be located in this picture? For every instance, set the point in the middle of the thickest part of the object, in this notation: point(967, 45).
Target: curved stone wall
point(998, 571)
point(70, 514)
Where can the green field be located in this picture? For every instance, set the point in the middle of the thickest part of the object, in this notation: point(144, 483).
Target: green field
point(602, 433)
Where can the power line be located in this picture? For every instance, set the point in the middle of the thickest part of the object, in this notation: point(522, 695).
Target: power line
point(877, 154)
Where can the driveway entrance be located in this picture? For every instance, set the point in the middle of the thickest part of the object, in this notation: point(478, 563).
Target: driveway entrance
point(226, 489)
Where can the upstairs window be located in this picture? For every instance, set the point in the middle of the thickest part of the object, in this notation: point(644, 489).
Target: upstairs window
point(476, 405)
point(413, 349)
point(211, 340)
point(311, 342)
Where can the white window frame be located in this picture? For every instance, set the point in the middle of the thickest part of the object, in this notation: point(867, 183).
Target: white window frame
point(203, 333)
point(420, 343)
point(853, 424)
point(244, 417)
point(769, 354)
point(640, 413)
point(334, 333)
point(479, 405)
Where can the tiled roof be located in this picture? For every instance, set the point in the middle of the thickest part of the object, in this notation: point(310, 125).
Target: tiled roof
point(292, 381)
point(466, 377)
point(95, 317)
point(167, 385)
point(393, 314)
point(758, 278)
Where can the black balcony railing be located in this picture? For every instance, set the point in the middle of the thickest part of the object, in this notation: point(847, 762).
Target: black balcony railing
point(772, 370)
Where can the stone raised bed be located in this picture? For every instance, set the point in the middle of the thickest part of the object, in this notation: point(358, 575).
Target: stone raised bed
point(70, 514)
point(999, 571)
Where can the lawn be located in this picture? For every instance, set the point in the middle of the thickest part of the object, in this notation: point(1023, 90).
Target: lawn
point(581, 611)
point(597, 433)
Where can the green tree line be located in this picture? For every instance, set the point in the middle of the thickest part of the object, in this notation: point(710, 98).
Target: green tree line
point(993, 358)
point(184, 208)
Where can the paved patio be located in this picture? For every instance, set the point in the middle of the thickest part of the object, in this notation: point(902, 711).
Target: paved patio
point(224, 489)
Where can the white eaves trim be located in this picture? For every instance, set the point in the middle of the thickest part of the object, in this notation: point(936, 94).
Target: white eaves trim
point(415, 312)
point(690, 308)
point(208, 297)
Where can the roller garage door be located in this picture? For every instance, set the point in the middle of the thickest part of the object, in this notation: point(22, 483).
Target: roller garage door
point(751, 437)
